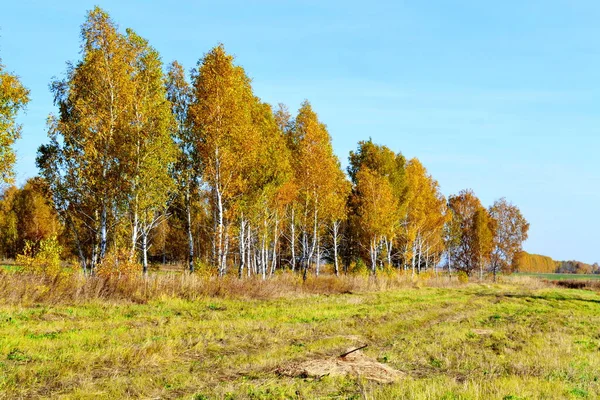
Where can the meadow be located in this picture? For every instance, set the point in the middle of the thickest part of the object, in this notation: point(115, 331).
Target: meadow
point(518, 339)
point(560, 277)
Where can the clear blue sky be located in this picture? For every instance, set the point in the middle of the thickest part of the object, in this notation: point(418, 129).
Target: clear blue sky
point(502, 97)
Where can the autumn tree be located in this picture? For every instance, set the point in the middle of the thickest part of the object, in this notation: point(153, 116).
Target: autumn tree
point(509, 234)
point(424, 217)
point(390, 166)
point(463, 249)
point(482, 237)
point(376, 209)
point(112, 118)
point(13, 98)
point(261, 208)
point(9, 221)
point(316, 171)
point(224, 138)
point(179, 93)
point(151, 150)
point(26, 216)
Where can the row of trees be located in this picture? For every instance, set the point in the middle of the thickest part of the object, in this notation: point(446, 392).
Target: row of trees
point(143, 163)
point(526, 262)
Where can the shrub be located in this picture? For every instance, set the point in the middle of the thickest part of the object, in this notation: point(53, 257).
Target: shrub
point(42, 259)
point(119, 264)
point(206, 270)
point(389, 270)
point(359, 268)
point(463, 277)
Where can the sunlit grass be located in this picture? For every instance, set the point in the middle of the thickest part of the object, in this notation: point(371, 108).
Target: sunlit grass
point(470, 342)
point(559, 276)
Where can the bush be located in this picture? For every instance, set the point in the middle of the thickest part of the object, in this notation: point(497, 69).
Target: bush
point(206, 270)
point(359, 268)
point(463, 277)
point(42, 259)
point(119, 264)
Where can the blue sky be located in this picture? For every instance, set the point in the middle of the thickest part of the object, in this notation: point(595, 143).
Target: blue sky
point(501, 97)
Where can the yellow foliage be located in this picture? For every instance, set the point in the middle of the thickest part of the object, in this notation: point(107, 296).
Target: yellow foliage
point(359, 268)
point(204, 270)
point(44, 260)
point(463, 277)
point(118, 264)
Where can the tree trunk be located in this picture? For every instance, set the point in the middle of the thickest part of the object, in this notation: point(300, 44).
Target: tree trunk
point(480, 269)
point(188, 227)
point(373, 254)
point(134, 234)
point(220, 232)
point(145, 252)
point(249, 250)
point(420, 251)
point(274, 253)
point(103, 233)
point(263, 251)
point(242, 247)
point(388, 248)
point(311, 250)
point(293, 229)
point(414, 256)
point(225, 250)
point(336, 228)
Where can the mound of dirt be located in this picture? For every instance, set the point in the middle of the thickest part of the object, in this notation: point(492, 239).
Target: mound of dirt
point(354, 364)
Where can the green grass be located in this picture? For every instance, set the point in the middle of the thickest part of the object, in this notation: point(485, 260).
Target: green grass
point(559, 277)
point(541, 343)
point(10, 268)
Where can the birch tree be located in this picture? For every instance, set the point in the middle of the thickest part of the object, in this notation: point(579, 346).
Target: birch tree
point(13, 98)
point(377, 210)
point(179, 93)
point(511, 230)
point(151, 148)
point(463, 248)
point(315, 170)
point(224, 138)
point(382, 161)
point(83, 162)
point(424, 216)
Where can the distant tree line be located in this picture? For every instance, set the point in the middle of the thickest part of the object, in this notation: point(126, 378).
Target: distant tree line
point(525, 262)
point(144, 164)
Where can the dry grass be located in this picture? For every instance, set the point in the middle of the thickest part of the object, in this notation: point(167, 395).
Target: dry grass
point(24, 288)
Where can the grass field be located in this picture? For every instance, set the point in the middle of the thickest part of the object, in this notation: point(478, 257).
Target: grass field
point(557, 277)
point(470, 342)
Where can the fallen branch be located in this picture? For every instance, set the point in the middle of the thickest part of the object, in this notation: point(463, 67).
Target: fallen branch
point(352, 351)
